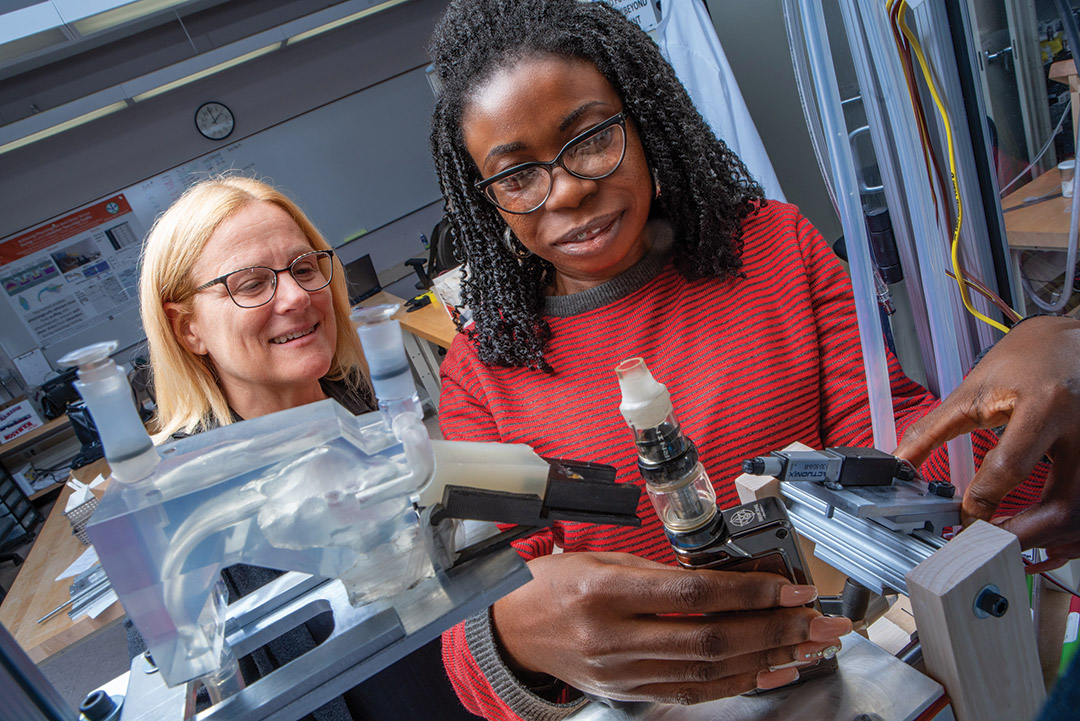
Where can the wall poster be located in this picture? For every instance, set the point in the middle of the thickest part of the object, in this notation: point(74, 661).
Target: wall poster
point(74, 271)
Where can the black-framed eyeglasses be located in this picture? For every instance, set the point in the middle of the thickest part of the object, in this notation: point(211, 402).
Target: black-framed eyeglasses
point(257, 285)
point(595, 154)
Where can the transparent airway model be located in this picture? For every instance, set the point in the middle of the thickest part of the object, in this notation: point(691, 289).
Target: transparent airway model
point(368, 500)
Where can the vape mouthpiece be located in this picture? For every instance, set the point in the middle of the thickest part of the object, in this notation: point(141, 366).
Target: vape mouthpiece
point(645, 403)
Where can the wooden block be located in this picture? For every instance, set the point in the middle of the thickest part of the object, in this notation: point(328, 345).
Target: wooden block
point(988, 665)
point(885, 634)
point(751, 488)
point(1050, 623)
point(828, 580)
point(901, 615)
point(1062, 71)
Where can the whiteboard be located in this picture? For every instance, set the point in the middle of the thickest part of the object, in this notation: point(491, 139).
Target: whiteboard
point(353, 165)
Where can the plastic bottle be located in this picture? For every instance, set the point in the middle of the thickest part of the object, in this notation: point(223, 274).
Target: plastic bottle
point(128, 448)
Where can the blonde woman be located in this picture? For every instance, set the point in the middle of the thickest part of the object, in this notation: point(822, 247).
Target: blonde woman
point(245, 310)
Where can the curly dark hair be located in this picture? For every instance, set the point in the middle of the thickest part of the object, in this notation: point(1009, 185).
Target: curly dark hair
point(707, 191)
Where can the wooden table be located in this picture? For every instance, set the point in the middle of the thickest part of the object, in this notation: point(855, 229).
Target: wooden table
point(35, 591)
point(1043, 226)
point(428, 325)
point(432, 322)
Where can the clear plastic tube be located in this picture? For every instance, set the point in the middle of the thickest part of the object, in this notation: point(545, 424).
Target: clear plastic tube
point(851, 215)
point(917, 362)
point(392, 379)
point(804, 84)
point(391, 375)
point(226, 680)
point(128, 448)
point(1070, 263)
point(1074, 217)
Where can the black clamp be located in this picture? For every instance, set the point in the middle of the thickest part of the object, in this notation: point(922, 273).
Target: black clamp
point(576, 491)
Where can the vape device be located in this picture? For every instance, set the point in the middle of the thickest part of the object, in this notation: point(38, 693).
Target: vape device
point(755, 536)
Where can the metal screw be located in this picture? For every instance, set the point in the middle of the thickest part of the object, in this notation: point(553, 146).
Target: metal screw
point(781, 533)
point(990, 602)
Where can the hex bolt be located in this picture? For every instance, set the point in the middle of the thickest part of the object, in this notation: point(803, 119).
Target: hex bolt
point(990, 602)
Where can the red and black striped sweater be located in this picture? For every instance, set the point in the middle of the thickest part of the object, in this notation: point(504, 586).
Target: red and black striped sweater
point(753, 364)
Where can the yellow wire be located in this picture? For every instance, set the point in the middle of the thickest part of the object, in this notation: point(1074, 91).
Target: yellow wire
point(952, 167)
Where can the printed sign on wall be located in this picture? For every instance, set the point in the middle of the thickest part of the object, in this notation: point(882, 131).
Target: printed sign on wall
point(73, 271)
point(15, 420)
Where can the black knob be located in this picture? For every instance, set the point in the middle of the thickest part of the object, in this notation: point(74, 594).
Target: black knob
point(754, 466)
point(942, 488)
point(97, 706)
point(992, 602)
point(905, 471)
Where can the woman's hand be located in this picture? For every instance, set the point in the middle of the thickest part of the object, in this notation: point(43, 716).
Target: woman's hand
point(599, 622)
point(1029, 382)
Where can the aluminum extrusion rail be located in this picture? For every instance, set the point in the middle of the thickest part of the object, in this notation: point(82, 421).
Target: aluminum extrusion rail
point(869, 553)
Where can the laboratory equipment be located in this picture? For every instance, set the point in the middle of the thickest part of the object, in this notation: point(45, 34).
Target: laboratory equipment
point(367, 501)
point(868, 512)
point(865, 483)
point(874, 520)
point(883, 530)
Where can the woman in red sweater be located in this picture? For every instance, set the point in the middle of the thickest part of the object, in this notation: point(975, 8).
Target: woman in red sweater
point(601, 219)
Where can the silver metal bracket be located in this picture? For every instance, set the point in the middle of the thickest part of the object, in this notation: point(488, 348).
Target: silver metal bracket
point(364, 640)
point(863, 547)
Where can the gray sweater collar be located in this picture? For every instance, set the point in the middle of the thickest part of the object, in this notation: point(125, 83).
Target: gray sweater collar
point(564, 306)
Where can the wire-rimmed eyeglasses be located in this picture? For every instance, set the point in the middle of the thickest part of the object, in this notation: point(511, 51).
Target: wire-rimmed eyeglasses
point(592, 155)
point(257, 285)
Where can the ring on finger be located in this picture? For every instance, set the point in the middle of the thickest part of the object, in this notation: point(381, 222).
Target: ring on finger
point(810, 657)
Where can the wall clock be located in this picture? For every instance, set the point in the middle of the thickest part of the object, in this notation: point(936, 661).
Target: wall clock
point(214, 120)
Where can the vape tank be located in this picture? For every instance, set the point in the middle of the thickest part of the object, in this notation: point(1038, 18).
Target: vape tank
point(755, 536)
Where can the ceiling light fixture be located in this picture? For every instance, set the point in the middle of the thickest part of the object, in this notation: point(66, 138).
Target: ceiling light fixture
point(343, 21)
point(66, 125)
point(206, 72)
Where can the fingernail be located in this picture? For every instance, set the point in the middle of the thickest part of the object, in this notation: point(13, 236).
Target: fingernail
point(792, 595)
point(776, 679)
point(825, 629)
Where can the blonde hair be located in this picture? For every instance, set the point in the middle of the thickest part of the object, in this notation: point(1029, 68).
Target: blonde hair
point(185, 384)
